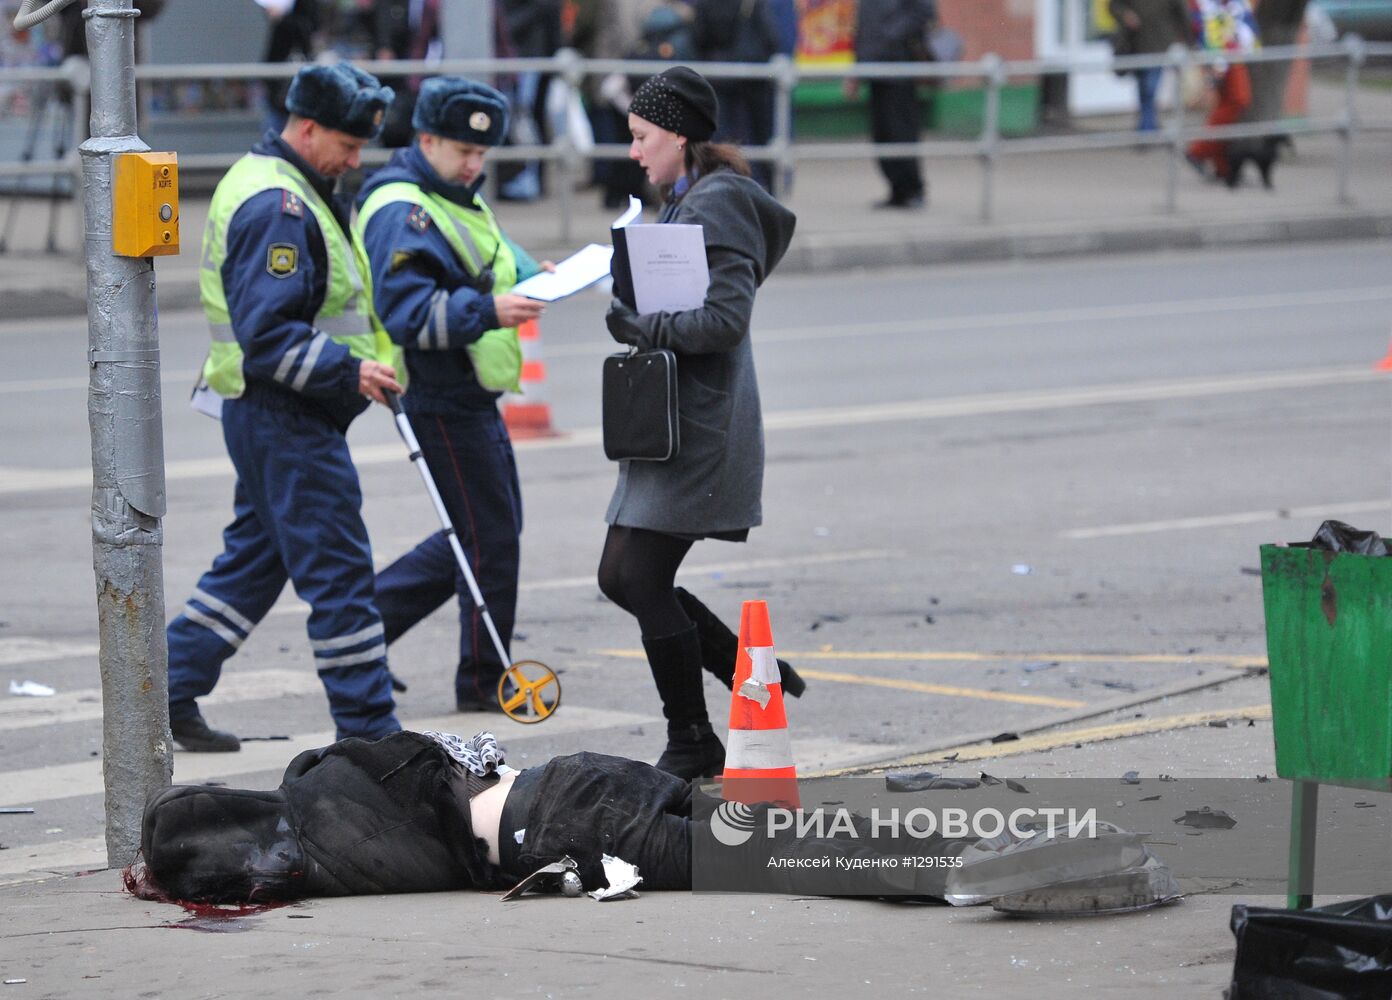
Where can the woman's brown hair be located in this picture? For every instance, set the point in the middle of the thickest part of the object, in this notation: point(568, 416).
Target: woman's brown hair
point(704, 157)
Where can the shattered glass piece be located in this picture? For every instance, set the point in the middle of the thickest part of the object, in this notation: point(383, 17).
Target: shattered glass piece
point(989, 779)
point(31, 689)
point(1015, 786)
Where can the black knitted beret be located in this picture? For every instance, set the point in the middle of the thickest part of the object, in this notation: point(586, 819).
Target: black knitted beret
point(680, 100)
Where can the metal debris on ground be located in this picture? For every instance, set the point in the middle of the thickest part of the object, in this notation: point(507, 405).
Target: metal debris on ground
point(1131, 778)
point(1033, 668)
point(621, 876)
point(31, 689)
point(989, 779)
point(1005, 737)
point(16, 810)
point(924, 781)
point(547, 878)
point(1015, 786)
point(1206, 819)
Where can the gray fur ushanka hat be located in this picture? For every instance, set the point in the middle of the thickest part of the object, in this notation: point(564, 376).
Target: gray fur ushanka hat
point(459, 109)
point(340, 97)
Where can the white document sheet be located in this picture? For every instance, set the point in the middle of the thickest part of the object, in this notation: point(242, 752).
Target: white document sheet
point(668, 264)
point(578, 271)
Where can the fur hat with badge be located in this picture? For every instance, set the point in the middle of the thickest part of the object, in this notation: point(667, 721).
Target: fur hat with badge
point(459, 109)
point(340, 97)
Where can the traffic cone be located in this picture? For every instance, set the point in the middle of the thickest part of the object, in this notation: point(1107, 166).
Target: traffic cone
point(527, 414)
point(758, 754)
point(1385, 365)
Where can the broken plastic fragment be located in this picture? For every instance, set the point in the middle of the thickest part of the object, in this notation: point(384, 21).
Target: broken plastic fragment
point(621, 876)
point(1021, 569)
point(31, 689)
point(1136, 888)
point(923, 781)
point(755, 691)
point(518, 835)
point(1006, 865)
point(1131, 778)
point(1206, 819)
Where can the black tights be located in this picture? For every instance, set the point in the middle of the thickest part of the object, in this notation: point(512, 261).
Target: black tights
point(637, 571)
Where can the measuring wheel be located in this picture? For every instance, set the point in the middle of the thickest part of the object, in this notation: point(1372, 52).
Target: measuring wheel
point(529, 691)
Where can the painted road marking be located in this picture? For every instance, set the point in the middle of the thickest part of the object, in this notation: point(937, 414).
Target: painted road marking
point(900, 684)
point(85, 704)
point(20, 649)
point(1230, 520)
point(291, 605)
point(61, 781)
point(25, 480)
point(1091, 734)
point(949, 656)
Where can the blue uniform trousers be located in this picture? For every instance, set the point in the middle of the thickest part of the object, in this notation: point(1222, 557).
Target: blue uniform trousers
point(471, 460)
point(297, 516)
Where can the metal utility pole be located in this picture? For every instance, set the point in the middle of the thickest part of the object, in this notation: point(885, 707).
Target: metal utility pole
point(123, 406)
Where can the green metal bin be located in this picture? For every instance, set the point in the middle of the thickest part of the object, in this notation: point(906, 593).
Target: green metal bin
point(1329, 646)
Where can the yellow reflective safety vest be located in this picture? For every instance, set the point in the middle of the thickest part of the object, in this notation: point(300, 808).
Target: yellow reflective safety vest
point(475, 238)
point(346, 314)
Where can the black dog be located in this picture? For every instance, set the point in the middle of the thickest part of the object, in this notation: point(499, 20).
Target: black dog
point(1262, 151)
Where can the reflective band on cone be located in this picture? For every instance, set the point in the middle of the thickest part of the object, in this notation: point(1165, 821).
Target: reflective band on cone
point(758, 754)
point(528, 415)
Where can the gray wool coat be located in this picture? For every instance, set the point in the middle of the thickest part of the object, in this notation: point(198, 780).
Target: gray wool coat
point(715, 482)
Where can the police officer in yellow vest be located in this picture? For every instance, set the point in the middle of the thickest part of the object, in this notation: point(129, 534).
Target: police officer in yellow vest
point(295, 356)
point(441, 274)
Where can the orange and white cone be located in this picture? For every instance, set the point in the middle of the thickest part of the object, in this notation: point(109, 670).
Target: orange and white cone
point(758, 754)
point(1385, 363)
point(527, 414)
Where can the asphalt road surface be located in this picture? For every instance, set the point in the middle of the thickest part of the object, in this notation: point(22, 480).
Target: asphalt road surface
point(996, 495)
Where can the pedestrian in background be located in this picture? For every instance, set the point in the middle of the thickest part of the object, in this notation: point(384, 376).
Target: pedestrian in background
point(1149, 27)
point(1227, 26)
point(741, 31)
point(712, 488)
point(894, 31)
point(442, 274)
point(534, 30)
point(294, 353)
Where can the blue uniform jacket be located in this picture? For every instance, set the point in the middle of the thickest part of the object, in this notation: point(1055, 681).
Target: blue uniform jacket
point(273, 313)
point(411, 263)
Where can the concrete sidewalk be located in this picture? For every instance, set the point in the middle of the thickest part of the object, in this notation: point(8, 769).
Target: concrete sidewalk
point(1045, 204)
point(81, 935)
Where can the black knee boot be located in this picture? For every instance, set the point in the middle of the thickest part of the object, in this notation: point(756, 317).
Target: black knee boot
point(719, 646)
point(693, 749)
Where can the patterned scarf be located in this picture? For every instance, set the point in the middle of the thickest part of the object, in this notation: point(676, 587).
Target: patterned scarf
point(480, 754)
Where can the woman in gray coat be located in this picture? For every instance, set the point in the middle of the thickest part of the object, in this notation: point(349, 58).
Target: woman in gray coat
point(712, 488)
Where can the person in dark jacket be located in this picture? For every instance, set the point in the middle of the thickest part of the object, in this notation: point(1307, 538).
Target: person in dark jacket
point(894, 31)
point(442, 274)
point(741, 31)
point(1147, 27)
point(295, 357)
point(713, 487)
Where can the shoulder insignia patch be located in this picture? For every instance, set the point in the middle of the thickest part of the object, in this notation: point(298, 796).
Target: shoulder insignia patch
point(419, 219)
point(291, 204)
point(400, 258)
point(282, 260)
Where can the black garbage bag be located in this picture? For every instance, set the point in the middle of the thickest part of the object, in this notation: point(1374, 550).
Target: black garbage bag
point(355, 817)
point(1336, 536)
point(1337, 952)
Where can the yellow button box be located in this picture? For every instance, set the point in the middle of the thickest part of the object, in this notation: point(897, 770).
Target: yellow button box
point(145, 205)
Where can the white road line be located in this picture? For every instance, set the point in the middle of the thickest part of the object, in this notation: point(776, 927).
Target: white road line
point(20, 480)
point(936, 324)
point(290, 605)
point(1229, 520)
point(267, 759)
point(85, 704)
point(20, 649)
point(29, 863)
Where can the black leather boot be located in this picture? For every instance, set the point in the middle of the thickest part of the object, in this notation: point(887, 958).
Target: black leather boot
point(719, 646)
point(693, 749)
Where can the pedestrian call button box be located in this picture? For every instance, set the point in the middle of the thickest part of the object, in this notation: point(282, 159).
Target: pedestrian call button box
point(145, 205)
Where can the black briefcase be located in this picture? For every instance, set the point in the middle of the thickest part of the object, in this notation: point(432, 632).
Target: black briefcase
point(640, 406)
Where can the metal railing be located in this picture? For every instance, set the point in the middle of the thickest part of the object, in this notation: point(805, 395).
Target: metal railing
point(988, 147)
